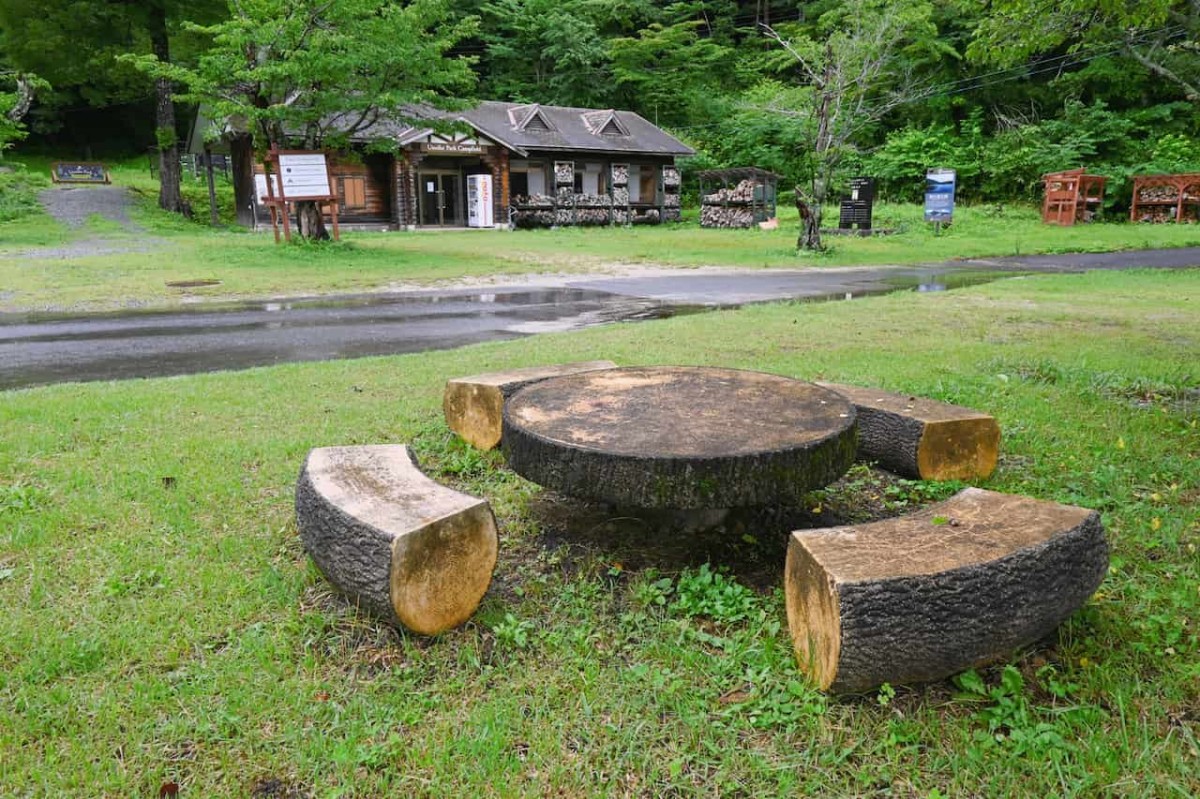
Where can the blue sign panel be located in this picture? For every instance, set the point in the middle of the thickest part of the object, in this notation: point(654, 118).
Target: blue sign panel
point(939, 195)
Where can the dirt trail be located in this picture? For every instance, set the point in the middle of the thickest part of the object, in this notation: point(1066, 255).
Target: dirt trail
point(74, 206)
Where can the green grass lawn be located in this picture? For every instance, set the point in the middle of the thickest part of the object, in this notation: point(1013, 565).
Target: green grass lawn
point(250, 265)
point(162, 622)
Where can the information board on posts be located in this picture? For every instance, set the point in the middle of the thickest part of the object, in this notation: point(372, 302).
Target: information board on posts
point(939, 195)
point(78, 172)
point(304, 176)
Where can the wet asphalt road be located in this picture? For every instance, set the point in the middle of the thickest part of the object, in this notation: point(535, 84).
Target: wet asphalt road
point(36, 350)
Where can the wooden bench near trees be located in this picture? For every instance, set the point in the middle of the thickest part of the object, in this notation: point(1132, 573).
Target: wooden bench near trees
point(920, 438)
point(474, 406)
point(391, 539)
point(949, 587)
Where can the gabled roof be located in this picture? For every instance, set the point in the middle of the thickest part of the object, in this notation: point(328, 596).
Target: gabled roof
point(521, 127)
point(571, 129)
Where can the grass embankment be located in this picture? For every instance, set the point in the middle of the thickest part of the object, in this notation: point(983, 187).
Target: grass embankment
point(253, 266)
point(163, 623)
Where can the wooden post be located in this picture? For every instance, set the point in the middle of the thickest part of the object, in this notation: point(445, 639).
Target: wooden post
point(271, 194)
point(336, 235)
point(212, 189)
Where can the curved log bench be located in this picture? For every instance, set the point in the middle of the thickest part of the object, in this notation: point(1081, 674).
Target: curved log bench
point(921, 438)
point(474, 406)
point(391, 539)
point(927, 595)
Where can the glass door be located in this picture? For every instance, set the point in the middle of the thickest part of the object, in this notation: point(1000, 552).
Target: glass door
point(441, 198)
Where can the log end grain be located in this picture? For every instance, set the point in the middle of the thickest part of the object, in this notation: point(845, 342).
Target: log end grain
point(473, 406)
point(392, 540)
point(952, 586)
point(959, 449)
point(923, 438)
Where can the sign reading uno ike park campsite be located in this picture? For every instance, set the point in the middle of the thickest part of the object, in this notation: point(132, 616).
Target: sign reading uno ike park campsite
point(939, 195)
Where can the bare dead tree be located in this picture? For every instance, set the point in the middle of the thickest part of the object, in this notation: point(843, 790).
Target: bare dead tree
point(855, 82)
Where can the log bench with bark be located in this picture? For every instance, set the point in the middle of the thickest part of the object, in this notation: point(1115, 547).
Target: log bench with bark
point(474, 405)
point(952, 586)
point(392, 540)
point(921, 438)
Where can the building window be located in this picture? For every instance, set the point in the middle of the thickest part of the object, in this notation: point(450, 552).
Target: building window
point(591, 179)
point(643, 184)
point(526, 178)
point(649, 187)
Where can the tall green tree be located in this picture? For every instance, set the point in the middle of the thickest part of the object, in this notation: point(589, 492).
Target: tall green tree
point(1162, 36)
point(79, 47)
point(548, 51)
point(318, 72)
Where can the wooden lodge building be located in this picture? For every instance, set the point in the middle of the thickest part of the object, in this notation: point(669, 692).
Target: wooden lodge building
point(550, 165)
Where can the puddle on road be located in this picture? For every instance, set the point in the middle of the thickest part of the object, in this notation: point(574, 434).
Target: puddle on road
point(37, 349)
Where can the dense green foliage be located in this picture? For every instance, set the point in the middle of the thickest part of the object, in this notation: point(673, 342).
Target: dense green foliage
point(18, 194)
point(1002, 91)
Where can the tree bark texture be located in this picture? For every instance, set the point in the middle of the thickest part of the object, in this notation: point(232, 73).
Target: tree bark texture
point(679, 437)
point(474, 406)
point(920, 438)
point(950, 587)
point(810, 223)
point(170, 195)
point(311, 222)
point(241, 158)
point(393, 541)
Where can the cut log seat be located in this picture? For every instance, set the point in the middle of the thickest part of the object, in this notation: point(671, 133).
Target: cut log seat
point(474, 406)
point(392, 540)
point(922, 438)
point(924, 596)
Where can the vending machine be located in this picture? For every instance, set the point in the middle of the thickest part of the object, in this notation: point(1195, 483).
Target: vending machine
point(479, 201)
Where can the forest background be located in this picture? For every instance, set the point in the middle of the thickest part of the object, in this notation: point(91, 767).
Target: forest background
point(1002, 91)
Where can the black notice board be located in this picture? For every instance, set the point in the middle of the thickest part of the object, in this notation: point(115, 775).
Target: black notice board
point(78, 172)
point(857, 206)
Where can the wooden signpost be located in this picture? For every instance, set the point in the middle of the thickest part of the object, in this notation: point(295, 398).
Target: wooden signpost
point(79, 172)
point(299, 176)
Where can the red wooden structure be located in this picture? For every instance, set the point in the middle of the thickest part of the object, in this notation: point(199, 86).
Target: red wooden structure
point(1071, 197)
point(1166, 198)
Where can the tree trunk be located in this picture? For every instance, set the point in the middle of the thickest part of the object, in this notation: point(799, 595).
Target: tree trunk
point(810, 223)
point(170, 198)
point(311, 222)
point(241, 156)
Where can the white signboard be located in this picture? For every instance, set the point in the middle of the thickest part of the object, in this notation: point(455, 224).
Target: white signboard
point(304, 175)
point(260, 188)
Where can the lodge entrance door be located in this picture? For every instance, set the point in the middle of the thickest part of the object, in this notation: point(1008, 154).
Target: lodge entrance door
point(441, 198)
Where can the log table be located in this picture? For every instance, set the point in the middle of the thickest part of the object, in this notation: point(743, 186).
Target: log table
point(679, 437)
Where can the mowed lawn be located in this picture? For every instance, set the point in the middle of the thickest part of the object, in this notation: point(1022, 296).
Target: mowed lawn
point(163, 624)
point(135, 266)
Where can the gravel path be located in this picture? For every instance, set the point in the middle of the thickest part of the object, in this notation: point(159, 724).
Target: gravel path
point(74, 206)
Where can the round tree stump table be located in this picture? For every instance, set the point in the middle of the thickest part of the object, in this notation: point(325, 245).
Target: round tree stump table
point(679, 437)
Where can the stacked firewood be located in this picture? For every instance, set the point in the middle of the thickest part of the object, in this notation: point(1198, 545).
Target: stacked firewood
point(1151, 194)
point(741, 193)
point(722, 217)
